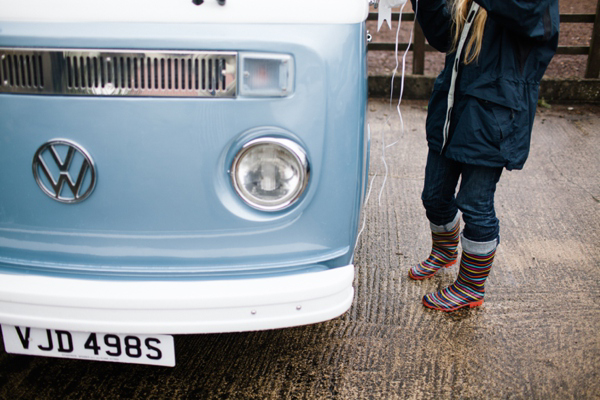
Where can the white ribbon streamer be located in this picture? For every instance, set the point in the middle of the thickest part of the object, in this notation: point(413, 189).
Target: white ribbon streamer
point(385, 11)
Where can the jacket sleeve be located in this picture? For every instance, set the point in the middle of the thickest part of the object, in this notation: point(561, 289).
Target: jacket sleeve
point(435, 20)
point(536, 19)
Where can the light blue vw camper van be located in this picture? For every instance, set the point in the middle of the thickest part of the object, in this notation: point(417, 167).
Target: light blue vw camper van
point(176, 167)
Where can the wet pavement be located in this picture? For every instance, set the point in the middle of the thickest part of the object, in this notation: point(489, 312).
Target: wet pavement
point(536, 336)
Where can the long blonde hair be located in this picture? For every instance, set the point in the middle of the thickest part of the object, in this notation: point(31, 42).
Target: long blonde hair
point(460, 9)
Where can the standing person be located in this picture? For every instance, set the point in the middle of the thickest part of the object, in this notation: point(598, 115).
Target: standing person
point(479, 121)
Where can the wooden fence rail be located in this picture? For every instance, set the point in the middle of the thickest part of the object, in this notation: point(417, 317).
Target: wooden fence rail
point(420, 47)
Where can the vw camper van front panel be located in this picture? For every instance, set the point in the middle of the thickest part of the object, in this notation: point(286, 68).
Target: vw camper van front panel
point(161, 216)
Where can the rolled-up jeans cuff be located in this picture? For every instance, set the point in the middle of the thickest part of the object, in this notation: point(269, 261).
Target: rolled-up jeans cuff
point(478, 248)
point(446, 227)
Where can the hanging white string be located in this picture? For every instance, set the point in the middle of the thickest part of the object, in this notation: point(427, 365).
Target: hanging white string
point(392, 91)
point(410, 39)
point(396, 55)
point(364, 211)
point(383, 146)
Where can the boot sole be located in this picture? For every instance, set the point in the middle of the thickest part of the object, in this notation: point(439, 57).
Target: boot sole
point(472, 304)
point(420, 278)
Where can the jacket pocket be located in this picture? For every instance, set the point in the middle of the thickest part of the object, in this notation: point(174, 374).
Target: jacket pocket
point(504, 118)
point(494, 122)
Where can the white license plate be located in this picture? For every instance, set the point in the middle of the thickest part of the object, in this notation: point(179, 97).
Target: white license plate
point(123, 348)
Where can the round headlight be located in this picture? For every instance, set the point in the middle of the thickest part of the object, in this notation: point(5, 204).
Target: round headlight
point(270, 174)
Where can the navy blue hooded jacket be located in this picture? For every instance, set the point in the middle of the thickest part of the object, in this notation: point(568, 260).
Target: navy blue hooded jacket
point(496, 95)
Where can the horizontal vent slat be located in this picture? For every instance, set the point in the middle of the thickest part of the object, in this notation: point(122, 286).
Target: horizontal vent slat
point(118, 73)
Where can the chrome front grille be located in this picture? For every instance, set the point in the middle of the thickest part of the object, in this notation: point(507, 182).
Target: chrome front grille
point(118, 73)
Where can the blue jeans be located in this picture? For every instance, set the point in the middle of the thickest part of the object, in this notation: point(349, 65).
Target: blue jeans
point(475, 198)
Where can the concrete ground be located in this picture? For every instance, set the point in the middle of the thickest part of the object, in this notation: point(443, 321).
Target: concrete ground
point(536, 336)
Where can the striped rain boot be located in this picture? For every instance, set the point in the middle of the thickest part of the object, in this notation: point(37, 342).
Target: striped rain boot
point(443, 250)
point(469, 289)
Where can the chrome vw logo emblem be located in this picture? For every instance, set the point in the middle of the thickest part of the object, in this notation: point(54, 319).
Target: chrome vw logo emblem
point(61, 162)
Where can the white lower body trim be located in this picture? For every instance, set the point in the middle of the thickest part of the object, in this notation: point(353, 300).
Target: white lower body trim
point(175, 307)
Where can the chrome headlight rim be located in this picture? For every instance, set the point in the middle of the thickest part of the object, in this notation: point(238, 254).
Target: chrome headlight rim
point(298, 153)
